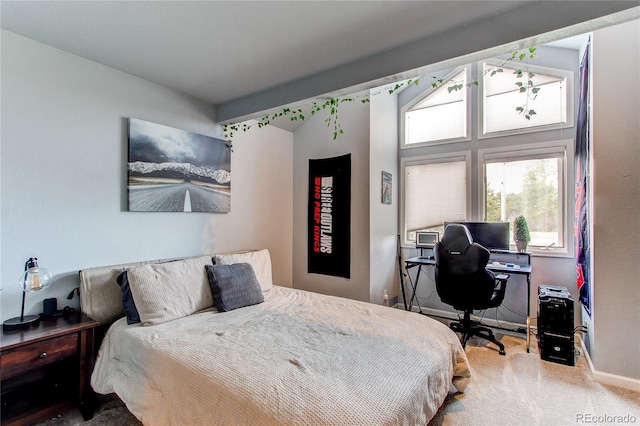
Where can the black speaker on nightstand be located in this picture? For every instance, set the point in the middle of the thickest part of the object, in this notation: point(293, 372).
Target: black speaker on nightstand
point(555, 325)
point(49, 307)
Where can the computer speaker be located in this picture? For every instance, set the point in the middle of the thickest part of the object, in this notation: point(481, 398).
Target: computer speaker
point(49, 307)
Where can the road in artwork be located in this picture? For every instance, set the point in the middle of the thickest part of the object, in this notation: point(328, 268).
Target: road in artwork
point(171, 198)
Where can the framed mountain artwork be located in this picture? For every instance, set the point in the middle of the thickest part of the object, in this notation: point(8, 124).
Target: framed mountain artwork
point(173, 170)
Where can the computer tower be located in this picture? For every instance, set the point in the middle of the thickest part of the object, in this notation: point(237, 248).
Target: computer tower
point(555, 325)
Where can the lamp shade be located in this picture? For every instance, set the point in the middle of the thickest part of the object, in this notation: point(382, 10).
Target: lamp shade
point(34, 278)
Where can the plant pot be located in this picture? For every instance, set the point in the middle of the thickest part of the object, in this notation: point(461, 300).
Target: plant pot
point(521, 246)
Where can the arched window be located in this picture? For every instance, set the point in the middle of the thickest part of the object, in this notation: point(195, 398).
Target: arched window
point(441, 115)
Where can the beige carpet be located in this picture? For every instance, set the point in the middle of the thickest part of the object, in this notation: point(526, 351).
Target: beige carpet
point(522, 389)
point(516, 389)
point(110, 412)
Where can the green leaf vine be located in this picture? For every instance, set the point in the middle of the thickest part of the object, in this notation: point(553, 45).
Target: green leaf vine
point(332, 105)
point(529, 87)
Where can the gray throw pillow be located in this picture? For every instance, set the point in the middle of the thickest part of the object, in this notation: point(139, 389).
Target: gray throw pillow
point(234, 286)
point(128, 305)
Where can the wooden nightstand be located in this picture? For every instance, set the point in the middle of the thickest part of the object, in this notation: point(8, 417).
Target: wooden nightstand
point(45, 369)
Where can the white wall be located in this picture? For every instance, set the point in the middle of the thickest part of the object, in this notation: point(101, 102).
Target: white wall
point(314, 140)
point(613, 331)
point(383, 156)
point(63, 174)
point(371, 138)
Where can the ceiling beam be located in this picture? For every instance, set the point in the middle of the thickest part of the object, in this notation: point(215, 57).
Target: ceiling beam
point(475, 41)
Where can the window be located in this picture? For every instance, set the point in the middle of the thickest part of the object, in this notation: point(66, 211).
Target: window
point(436, 190)
point(501, 95)
point(440, 115)
point(512, 172)
point(530, 181)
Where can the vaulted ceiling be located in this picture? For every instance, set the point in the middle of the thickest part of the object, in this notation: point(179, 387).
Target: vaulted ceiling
point(246, 57)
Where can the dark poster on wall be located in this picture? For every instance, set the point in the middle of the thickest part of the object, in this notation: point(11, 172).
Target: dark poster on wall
point(329, 222)
point(581, 225)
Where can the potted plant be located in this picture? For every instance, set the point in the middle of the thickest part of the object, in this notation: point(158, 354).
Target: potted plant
point(521, 233)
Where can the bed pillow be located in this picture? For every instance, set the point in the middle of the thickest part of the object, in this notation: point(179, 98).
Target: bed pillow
point(260, 260)
point(234, 286)
point(167, 291)
point(128, 305)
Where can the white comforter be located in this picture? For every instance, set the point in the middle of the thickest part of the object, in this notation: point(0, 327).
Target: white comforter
point(299, 358)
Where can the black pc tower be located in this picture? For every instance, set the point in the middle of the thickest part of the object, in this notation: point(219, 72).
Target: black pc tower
point(555, 325)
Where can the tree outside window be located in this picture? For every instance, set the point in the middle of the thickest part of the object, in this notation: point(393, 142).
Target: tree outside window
point(529, 188)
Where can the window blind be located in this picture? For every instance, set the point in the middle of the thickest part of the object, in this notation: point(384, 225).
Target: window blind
point(435, 193)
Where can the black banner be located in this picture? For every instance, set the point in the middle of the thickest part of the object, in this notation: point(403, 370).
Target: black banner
point(329, 226)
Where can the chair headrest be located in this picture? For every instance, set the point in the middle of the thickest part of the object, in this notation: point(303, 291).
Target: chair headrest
point(456, 238)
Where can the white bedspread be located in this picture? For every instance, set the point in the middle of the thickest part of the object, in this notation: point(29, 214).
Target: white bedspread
point(299, 358)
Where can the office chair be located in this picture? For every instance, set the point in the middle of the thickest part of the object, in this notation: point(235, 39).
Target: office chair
point(463, 281)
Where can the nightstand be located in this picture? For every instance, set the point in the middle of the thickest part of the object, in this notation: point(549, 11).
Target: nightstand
point(45, 369)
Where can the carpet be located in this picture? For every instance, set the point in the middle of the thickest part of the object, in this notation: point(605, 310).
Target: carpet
point(516, 389)
point(110, 412)
point(522, 389)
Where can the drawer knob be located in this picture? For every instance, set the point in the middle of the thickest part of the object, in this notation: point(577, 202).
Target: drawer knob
point(43, 355)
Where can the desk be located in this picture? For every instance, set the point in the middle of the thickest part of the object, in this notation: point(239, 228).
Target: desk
point(502, 257)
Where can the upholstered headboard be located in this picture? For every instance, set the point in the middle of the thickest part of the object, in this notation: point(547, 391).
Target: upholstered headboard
point(100, 296)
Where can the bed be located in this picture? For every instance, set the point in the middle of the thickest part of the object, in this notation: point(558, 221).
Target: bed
point(292, 358)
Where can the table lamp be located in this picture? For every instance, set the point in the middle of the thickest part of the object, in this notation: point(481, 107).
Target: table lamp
point(34, 278)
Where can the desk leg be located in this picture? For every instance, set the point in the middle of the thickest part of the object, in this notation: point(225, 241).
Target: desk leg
point(404, 297)
point(409, 306)
point(528, 311)
point(413, 292)
point(528, 332)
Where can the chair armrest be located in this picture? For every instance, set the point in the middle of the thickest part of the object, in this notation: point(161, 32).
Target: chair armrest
point(500, 287)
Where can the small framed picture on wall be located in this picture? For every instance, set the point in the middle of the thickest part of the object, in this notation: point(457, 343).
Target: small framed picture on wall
point(387, 181)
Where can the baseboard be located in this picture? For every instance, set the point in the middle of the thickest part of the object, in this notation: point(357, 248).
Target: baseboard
point(607, 378)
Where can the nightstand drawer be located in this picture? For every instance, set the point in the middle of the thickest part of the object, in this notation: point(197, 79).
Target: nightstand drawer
point(28, 357)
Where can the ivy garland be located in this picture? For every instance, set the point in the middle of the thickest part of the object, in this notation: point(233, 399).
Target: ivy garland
point(332, 105)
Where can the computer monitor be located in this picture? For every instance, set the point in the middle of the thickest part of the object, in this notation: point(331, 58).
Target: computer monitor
point(491, 235)
point(426, 239)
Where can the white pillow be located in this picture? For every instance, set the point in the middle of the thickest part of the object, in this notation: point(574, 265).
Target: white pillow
point(166, 291)
point(260, 261)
